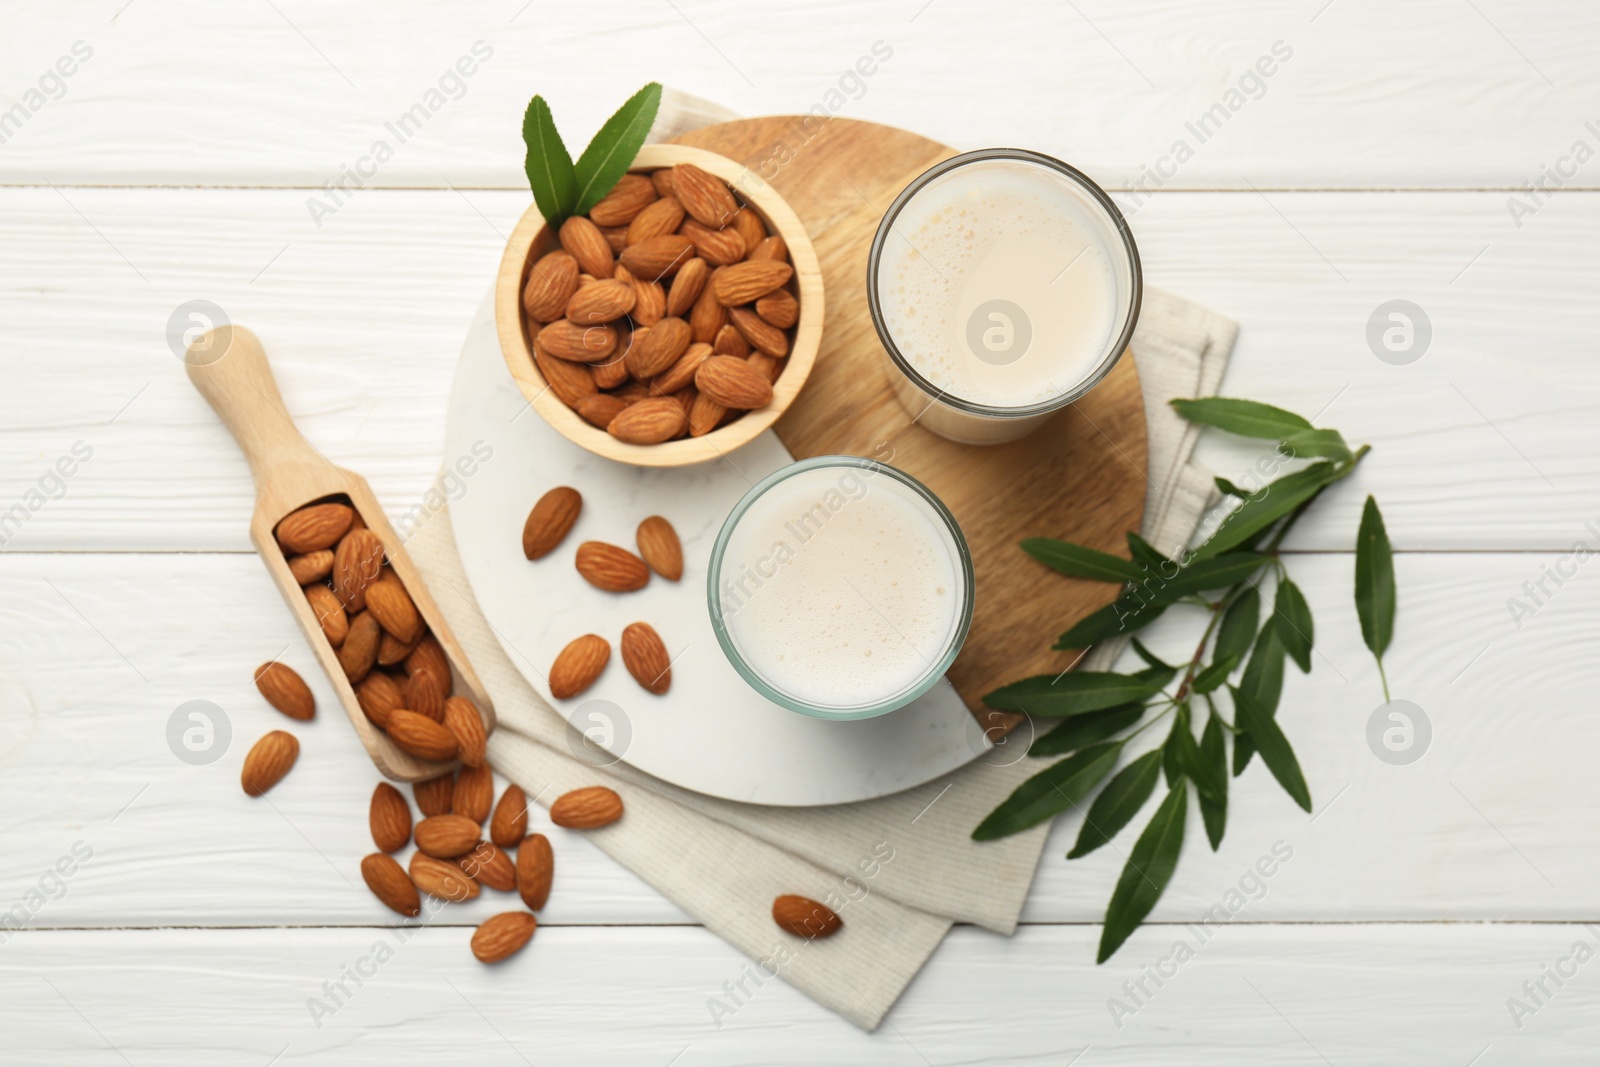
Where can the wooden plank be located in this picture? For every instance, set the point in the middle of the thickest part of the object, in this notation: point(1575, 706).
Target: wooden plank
point(1460, 835)
point(1431, 93)
point(364, 320)
point(1270, 994)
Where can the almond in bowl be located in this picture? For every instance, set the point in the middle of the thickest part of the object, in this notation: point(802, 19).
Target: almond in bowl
point(674, 322)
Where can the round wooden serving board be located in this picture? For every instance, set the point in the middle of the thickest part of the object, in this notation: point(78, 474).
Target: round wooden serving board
point(1081, 477)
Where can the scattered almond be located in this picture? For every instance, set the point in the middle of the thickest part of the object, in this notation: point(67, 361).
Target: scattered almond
point(804, 917)
point(536, 865)
point(434, 795)
point(503, 935)
point(268, 760)
point(488, 865)
point(510, 821)
point(550, 520)
point(442, 879)
point(645, 656)
point(286, 690)
point(389, 817)
point(586, 809)
point(578, 665)
point(447, 836)
point(660, 547)
point(473, 794)
point(390, 884)
point(616, 570)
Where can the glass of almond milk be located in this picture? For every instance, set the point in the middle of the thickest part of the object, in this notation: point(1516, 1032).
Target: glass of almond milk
point(840, 588)
point(1004, 285)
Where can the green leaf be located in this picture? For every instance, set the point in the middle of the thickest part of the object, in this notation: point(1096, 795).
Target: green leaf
point(1171, 749)
point(1150, 657)
point(1053, 696)
point(1291, 617)
point(1227, 488)
point(1124, 615)
point(611, 152)
point(1081, 562)
point(1263, 683)
point(1147, 872)
point(1263, 730)
point(1145, 556)
point(1213, 676)
point(1318, 444)
point(549, 167)
point(1238, 627)
point(1247, 418)
point(1374, 580)
point(1275, 501)
point(1208, 778)
point(1214, 808)
point(1079, 731)
point(1118, 803)
point(1050, 792)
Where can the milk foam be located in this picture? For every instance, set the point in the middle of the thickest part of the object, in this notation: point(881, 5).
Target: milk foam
point(840, 587)
point(1002, 230)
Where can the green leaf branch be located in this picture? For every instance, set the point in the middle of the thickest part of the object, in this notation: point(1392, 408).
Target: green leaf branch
point(563, 188)
point(1242, 650)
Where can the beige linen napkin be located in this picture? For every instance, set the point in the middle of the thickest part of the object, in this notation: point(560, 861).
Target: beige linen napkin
point(899, 870)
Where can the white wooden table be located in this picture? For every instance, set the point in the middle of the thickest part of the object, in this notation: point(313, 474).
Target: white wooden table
point(1376, 163)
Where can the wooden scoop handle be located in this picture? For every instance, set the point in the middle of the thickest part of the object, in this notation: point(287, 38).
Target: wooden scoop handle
point(229, 367)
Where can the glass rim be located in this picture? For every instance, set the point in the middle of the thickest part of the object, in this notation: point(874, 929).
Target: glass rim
point(1108, 359)
point(754, 678)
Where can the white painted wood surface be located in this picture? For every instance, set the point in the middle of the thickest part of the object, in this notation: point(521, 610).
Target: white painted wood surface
point(1377, 164)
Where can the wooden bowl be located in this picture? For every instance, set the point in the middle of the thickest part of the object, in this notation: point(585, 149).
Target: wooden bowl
point(533, 238)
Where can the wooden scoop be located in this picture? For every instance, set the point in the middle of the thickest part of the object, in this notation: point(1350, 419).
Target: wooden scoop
point(230, 369)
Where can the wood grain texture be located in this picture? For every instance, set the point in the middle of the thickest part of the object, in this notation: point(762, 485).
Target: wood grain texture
point(1248, 994)
point(1079, 477)
point(1429, 93)
point(236, 380)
